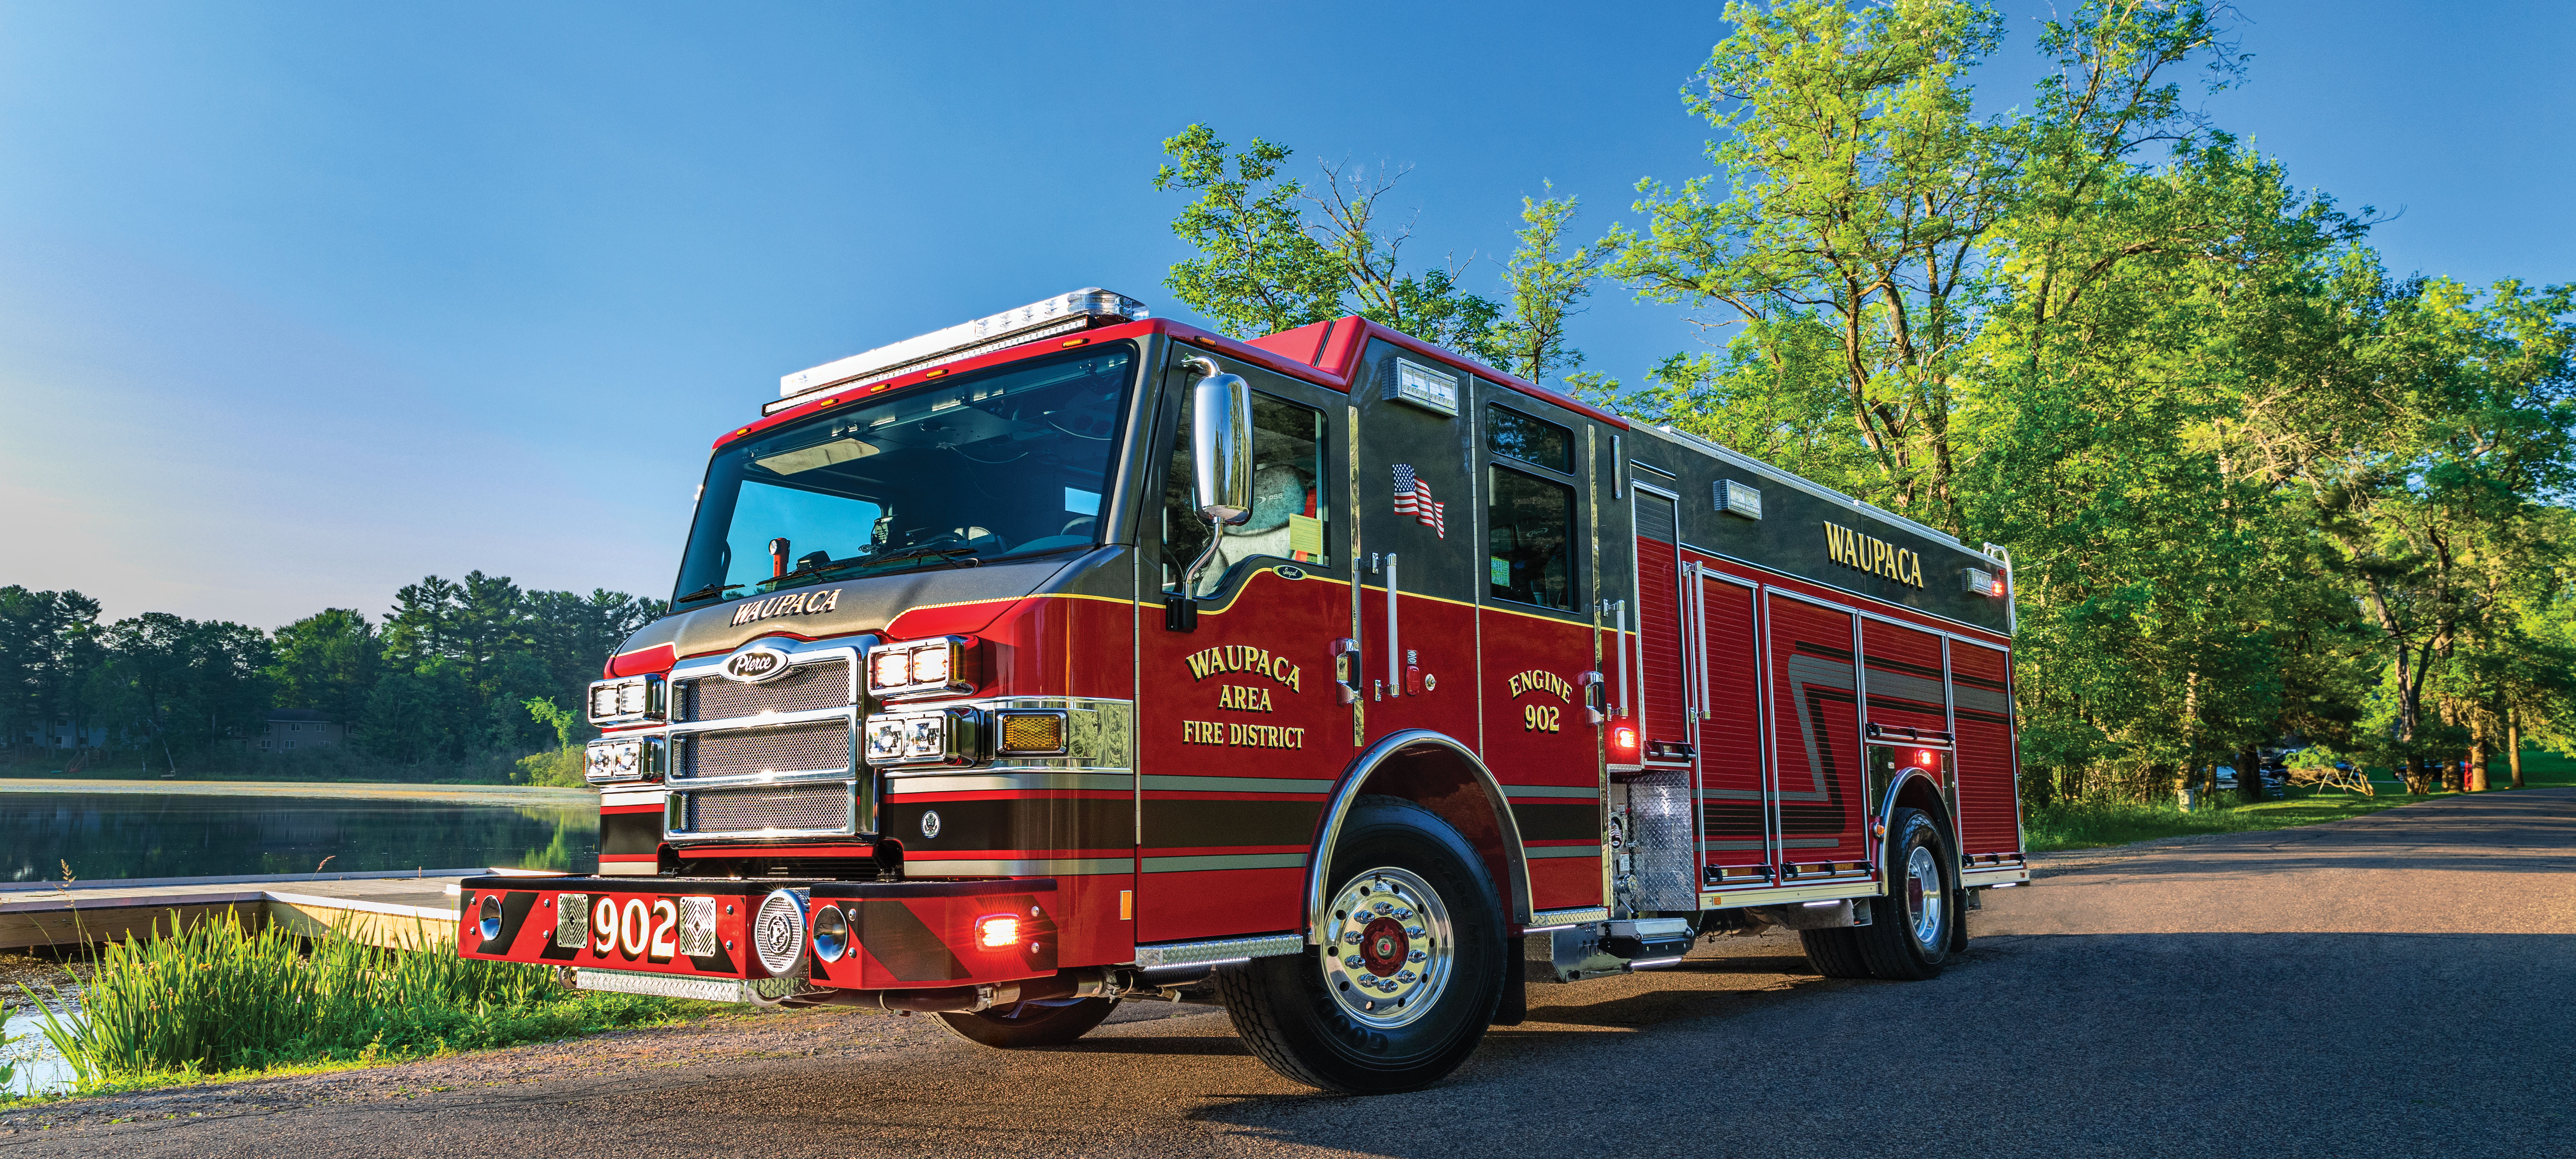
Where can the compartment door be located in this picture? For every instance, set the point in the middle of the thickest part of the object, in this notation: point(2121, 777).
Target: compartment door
point(1815, 734)
point(1736, 813)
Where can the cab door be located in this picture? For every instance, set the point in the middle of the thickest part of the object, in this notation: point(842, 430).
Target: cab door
point(1240, 727)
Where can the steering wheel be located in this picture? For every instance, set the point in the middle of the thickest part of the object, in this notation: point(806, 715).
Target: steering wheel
point(1085, 521)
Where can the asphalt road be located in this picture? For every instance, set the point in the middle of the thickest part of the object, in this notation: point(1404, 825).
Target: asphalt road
point(2400, 984)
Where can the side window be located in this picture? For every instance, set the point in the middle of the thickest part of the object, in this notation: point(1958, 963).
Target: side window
point(1289, 518)
point(1529, 518)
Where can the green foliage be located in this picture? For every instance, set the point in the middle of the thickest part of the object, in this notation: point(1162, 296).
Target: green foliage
point(1276, 253)
point(561, 768)
point(2254, 487)
point(218, 996)
point(447, 680)
point(1546, 285)
point(2099, 821)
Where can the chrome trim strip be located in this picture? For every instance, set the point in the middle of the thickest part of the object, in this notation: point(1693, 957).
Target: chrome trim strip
point(1197, 863)
point(1168, 784)
point(1044, 867)
point(1991, 876)
point(755, 780)
point(1576, 916)
point(632, 797)
point(913, 783)
point(1585, 792)
point(766, 720)
point(1319, 870)
point(1547, 851)
point(1218, 950)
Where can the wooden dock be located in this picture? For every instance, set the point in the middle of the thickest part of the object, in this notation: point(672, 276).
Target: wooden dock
point(385, 909)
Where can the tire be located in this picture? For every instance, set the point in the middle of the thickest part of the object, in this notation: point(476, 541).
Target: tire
point(1910, 936)
point(1835, 953)
point(1426, 984)
point(1030, 1023)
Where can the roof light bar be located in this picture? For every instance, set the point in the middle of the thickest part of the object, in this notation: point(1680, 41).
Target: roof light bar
point(1061, 314)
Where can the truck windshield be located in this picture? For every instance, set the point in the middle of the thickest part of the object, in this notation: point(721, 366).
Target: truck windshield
point(1009, 463)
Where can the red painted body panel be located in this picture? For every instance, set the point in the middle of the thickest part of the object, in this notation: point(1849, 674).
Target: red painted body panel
point(1815, 735)
point(1247, 697)
point(1903, 675)
point(530, 917)
point(1730, 750)
point(1989, 804)
point(1661, 698)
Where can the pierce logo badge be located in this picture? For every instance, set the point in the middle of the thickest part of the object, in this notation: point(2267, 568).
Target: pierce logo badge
point(753, 665)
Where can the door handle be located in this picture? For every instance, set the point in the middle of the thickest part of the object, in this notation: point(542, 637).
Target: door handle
point(1347, 670)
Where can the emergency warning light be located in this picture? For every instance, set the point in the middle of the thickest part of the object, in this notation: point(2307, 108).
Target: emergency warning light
point(1981, 582)
point(1046, 317)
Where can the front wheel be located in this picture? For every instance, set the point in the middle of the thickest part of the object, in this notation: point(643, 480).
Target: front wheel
point(1031, 1023)
point(1408, 972)
point(1909, 939)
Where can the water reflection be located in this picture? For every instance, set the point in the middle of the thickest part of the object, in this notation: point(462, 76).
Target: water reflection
point(106, 835)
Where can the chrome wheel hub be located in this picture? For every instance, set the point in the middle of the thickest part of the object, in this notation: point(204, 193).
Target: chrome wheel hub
point(1387, 944)
point(1923, 896)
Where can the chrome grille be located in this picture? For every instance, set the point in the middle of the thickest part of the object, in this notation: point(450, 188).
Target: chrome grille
point(824, 806)
point(822, 744)
point(825, 684)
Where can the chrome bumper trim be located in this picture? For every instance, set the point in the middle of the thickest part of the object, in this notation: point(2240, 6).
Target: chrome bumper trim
point(756, 991)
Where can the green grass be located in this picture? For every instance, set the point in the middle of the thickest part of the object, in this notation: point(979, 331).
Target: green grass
point(218, 1000)
point(2093, 824)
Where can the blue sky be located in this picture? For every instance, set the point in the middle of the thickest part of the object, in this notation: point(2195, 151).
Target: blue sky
point(301, 302)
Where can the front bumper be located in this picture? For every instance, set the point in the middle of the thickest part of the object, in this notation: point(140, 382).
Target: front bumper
point(696, 937)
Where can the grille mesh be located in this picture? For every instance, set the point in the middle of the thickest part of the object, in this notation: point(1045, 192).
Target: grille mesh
point(782, 807)
point(806, 686)
point(794, 748)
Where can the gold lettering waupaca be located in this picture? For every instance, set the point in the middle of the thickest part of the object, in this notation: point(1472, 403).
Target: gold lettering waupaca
point(1875, 556)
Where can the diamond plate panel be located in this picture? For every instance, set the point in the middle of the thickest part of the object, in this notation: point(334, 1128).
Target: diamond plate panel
point(1659, 810)
point(572, 920)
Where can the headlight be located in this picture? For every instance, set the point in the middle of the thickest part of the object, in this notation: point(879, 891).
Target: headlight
point(622, 759)
point(947, 736)
point(626, 700)
point(918, 668)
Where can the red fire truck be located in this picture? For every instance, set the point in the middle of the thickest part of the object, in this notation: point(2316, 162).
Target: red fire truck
point(1070, 655)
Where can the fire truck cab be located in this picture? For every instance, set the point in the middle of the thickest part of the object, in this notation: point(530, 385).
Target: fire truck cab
point(1070, 654)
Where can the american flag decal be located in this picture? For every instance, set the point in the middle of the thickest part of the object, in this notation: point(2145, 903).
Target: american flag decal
point(1413, 497)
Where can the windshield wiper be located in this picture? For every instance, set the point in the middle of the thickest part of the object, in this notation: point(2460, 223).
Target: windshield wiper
point(709, 592)
point(961, 556)
point(819, 570)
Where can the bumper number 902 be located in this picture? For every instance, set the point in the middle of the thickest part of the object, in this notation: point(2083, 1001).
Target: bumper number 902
point(635, 929)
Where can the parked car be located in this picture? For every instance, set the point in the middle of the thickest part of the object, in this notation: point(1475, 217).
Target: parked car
point(2275, 781)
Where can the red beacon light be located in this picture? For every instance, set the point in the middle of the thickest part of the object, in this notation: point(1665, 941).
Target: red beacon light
point(1925, 759)
point(1623, 740)
point(997, 931)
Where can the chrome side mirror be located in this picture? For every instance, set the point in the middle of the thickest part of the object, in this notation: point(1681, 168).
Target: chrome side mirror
point(1221, 464)
point(1221, 442)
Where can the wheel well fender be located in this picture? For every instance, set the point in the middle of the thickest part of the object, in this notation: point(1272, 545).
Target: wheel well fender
point(1438, 773)
point(1915, 789)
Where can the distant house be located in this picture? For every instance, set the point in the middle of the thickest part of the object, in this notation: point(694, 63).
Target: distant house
point(59, 735)
point(288, 729)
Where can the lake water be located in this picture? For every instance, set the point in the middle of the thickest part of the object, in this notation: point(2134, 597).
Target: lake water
point(107, 835)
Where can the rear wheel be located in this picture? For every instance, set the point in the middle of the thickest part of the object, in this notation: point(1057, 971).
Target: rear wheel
point(1031, 1023)
point(1834, 953)
point(1909, 938)
point(1409, 972)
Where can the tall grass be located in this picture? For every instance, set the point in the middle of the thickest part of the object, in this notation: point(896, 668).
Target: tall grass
point(219, 996)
